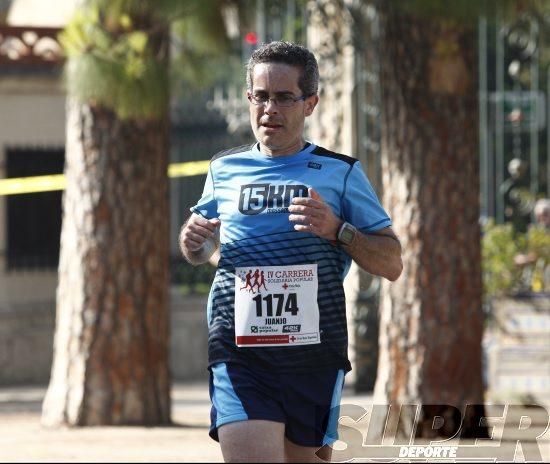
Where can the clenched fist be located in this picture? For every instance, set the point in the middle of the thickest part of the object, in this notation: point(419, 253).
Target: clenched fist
point(199, 238)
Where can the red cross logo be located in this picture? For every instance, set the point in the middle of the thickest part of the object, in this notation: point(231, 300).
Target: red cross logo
point(293, 338)
point(285, 286)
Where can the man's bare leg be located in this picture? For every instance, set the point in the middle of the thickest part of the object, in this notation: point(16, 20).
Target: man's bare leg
point(296, 453)
point(253, 441)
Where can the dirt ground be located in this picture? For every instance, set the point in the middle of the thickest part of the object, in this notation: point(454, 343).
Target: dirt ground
point(23, 439)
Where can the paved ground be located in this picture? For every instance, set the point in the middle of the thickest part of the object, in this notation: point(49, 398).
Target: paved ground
point(22, 439)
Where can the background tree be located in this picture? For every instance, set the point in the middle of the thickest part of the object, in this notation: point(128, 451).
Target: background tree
point(112, 331)
point(431, 318)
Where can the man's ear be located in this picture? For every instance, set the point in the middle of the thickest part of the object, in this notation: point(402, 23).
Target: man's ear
point(311, 103)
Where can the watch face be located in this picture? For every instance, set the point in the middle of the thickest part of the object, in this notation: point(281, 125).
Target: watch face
point(347, 236)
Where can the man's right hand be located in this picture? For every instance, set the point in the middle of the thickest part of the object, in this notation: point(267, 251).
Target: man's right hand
point(199, 238)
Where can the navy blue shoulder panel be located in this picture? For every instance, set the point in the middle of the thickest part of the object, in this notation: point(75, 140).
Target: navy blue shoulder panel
point(320, 151)
point(231, 151)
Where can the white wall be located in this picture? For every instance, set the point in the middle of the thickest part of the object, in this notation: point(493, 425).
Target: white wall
point(32, 113)
point(42, 13)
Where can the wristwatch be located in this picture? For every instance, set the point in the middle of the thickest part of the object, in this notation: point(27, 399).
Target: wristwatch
point(346, 233)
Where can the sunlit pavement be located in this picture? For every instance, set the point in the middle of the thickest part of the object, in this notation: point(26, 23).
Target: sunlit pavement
point(23, 439)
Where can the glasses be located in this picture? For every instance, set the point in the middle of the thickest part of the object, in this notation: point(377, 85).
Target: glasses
point(281, 100)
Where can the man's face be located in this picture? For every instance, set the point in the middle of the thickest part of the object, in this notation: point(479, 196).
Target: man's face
point(279, 129)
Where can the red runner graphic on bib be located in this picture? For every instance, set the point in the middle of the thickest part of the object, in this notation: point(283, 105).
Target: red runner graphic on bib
point(276, 305)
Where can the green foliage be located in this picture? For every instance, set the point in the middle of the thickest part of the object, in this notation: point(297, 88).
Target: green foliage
point(133, 88)
point(194, 72)
point(500, 248)
point(115, 59)
point(204, 30)
point(116, 55)
point(538, 239)
point(204, 54)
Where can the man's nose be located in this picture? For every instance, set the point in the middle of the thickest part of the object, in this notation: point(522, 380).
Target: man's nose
point(270, 107)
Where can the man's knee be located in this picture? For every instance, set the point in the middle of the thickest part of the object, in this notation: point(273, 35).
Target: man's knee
point(252, 441)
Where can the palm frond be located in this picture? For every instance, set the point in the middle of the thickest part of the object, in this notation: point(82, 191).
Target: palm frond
point(116, 57)
point(114, 60)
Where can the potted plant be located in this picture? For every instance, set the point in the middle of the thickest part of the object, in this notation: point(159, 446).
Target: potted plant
point(516, 280)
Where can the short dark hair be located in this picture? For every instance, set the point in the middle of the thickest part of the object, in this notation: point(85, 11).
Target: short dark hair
point(291, 54)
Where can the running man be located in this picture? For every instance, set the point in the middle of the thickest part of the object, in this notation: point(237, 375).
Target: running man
point(298, 214)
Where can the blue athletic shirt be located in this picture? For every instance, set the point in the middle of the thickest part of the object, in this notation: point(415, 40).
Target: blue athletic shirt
point(250, 193)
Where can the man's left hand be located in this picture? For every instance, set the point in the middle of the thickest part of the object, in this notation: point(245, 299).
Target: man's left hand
point(312, 214)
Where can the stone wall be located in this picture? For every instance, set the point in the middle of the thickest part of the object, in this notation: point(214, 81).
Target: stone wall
point(189, 337)
point(26, 341)
point(27, 330)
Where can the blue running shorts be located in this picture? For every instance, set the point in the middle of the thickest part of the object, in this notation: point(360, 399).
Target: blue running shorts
point(307, 403)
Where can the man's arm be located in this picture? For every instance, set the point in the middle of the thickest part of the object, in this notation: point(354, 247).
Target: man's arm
point(378, 253)
point(199, 240)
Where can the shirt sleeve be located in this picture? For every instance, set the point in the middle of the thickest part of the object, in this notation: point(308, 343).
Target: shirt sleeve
point(361, 206)
point(207, 206)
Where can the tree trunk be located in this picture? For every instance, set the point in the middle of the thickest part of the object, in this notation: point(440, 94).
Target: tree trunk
point(329, 32)
point(112, 335)
point(332, 126)
point(431, 318)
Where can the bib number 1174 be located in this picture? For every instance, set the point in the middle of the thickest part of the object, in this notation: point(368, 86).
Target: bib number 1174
point(290, 304)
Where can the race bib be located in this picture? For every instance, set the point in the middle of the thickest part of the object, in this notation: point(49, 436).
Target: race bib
point(276, 305)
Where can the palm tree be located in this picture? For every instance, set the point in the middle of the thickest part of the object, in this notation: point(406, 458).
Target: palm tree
point(112, 330)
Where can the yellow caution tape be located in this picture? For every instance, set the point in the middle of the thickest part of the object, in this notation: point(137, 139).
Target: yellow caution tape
point(32, 184)
point(18, 185)
point(191, 168)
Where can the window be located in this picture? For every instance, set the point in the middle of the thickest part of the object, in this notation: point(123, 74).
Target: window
point(33, 219)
